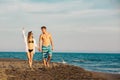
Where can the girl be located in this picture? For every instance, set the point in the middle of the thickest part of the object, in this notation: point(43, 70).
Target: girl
point(30, 46)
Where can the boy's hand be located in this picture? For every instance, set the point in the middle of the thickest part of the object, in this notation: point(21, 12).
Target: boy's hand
point(52, 48)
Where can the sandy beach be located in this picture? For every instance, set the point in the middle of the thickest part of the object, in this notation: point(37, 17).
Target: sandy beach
point(15, 69)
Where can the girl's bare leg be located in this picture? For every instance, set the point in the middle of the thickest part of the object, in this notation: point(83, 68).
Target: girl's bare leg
point(28, 56)
point(31, 59)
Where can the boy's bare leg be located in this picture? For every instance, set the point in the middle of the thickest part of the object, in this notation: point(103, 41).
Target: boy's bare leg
point(48, 60)
point(45, 62)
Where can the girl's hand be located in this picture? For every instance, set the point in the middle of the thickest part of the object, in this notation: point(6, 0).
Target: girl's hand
point(40, 49)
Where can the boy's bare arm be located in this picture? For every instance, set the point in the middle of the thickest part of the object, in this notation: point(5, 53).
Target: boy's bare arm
point(40, 43)
point(51, 41)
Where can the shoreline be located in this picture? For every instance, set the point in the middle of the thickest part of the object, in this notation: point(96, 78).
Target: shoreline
point(17, 69)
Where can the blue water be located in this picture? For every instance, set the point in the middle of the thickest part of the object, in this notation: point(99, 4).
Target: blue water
point(109, 63)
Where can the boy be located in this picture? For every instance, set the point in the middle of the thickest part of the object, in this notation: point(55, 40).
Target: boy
point(46, 46)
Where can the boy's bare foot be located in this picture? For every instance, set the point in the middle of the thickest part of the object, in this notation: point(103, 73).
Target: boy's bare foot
point(48, 65)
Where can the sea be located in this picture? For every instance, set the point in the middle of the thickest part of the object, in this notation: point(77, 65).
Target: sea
point(98, 62)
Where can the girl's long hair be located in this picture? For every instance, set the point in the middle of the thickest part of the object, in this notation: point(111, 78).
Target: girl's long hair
point(29, 35)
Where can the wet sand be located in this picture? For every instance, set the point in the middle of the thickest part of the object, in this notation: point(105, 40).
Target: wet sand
point(15, 69)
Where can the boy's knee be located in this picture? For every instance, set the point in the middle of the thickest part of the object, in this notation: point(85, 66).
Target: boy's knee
point(50, 56)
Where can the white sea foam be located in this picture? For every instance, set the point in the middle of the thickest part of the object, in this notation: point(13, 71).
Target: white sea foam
point(107, 69)
point(81, 60)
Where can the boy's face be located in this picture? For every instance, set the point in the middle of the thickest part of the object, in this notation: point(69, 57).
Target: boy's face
point(43, 30)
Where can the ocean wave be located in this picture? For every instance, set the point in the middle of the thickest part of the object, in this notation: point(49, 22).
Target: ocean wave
point(105, 70)
point(103, 65)
point(108, 69)
point(81, 60)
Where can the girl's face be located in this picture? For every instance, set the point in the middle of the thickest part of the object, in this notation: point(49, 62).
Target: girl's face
point(31, 35)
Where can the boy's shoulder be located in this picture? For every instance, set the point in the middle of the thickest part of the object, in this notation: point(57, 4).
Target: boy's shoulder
point(41, 35)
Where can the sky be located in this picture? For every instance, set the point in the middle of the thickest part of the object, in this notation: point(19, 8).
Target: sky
point(75, 25)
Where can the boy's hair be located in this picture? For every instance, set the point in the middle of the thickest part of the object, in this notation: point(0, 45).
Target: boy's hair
point(43, 27)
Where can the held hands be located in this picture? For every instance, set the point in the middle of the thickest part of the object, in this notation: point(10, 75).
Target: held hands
point(39, 49)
